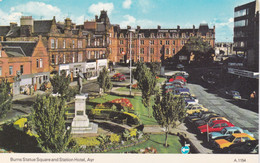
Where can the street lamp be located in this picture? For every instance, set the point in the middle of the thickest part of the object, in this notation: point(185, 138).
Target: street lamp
point(131, 31)
point(139, 36)
point(149, 51)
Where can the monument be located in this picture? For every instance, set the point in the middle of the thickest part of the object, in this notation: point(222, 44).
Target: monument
point(80, 77)
point(80, 123)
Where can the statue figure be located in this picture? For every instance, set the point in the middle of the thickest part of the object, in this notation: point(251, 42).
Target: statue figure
point(80, 77)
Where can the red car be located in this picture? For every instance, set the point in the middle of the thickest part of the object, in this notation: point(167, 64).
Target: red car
point(120, 78)
point(214, 126)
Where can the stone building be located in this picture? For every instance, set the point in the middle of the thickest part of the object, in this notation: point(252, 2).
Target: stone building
point(148, 44)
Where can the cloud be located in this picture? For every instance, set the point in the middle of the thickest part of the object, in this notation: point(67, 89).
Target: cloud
point(6, 17)
point(37, 9)
point(224, 29)
point(145, 5)
point(129, 20)
point(96, 8)
point(127, 4)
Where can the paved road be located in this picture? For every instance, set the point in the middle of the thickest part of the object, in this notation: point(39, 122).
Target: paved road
point(240, 117)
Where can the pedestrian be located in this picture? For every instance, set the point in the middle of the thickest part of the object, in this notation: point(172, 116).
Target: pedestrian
point(252, 96)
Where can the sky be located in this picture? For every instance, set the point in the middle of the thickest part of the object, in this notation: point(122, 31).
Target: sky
point(145, 13)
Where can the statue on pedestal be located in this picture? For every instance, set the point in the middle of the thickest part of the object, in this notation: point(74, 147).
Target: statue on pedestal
point(80, 77)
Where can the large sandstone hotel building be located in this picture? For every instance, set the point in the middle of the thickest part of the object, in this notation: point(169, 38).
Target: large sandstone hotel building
point(149, 44)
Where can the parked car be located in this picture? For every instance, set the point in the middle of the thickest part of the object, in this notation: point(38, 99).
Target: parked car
point(233, 139)
point(227, 131)
point(193, 117)
point(210, 119)
point(189, 99)
point(233, 94)
point(181, 91)
point(120, 78)
point(115, 76)
point(214, 126)
point(196, 108)
point(205, 117)
point(180, 66)
point(247, 147)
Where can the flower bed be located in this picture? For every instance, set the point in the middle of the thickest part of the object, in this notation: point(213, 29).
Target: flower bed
point(123, 102)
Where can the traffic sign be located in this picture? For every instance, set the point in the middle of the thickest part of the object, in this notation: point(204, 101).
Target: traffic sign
point(185, 150)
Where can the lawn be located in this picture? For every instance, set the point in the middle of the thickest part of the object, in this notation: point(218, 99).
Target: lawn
point(157, 142)
point(140, 110)
point(125, 89)
point(161, 80)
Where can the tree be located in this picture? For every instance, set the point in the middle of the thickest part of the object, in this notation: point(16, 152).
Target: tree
point(155, 67)
point(146, 83)
point(60, 84)
point(49, 122)
point(104, 81)
point(5, 97)
point(168, 111)
point(202, 50)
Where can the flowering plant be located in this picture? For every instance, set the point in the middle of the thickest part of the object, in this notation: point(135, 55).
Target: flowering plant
point(123, 102)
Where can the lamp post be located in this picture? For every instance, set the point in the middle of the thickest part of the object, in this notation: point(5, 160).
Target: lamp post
point(131, 31)
point(149, 51)
point(139, 36)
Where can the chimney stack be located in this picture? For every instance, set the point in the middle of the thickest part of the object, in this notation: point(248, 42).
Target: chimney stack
point(158, 27)
point(12, 25)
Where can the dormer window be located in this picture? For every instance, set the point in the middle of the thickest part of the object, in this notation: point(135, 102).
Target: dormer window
point(142, 35)
point(121, 35)
point(161, 35)
point(174, 35)
point(152, 35)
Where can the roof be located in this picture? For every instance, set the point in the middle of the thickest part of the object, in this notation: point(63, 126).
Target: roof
point(26, 46)
point(240, 134)
point(4, 30)
point(14, 51)
point(15, 32)
point(42, 26)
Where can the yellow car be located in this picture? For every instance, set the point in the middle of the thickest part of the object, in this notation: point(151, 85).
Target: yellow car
point(234, 139)
point(196, 109)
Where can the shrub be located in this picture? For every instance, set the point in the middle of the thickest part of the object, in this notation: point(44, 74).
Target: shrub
point(114, 138)
point(133, 132)
point(21, 122)
point(87, 141)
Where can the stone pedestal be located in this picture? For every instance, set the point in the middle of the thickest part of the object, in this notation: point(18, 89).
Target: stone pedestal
point(162, 70)
point(80, 123)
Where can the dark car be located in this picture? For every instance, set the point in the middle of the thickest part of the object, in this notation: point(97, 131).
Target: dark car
point(233, 94)
point(204, 120)
point(197, 116)
point(247, 147)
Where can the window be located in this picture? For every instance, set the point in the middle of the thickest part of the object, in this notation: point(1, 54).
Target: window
point(152, 50)
point(142, 42)
point(79, 57)
point(64, 44)
point(73, 44)
point(0, 71)
point(73, 58)
point(142, 59)
point(37, 63)
point(21, 69)
point(160, 42)
point(52, 43)
point(241, 23)
point(183, 35)
point(217, 126)
point(57, 58)
point(121, 42)
point(152, 42)
point(79, 44)
point(241, 13)
point(56, 43)
point(224, 125)
point(10, 70)
point(152, 35)
point(41, 64)
point(173, 42)
point(237, 140)
point(167, 50)
point(0, 53)
point(173, 51)
point(121, 35)
point(174, 35)
point(167, 42)
point(182, 42)
point(142, 50)
point(121, 50)
point(52, 59)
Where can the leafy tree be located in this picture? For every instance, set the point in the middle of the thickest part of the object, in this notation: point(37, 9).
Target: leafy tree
point(49, 123)
point(155, 67)
point(104, 81)
point(146, 83)
point(137, 73)
point(60, 84)
point(202, 50)
point(5, 97)
point(168, 111)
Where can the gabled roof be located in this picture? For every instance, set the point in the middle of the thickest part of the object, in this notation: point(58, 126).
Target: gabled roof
point(14, 51)
point(4, 30)
point(26, 46)
point(42, 26)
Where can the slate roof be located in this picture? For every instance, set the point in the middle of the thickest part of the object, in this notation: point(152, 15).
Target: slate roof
point(26, 46)
point(14, 51)
point(15, 32)
point(42, 26)
point(4, 30)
